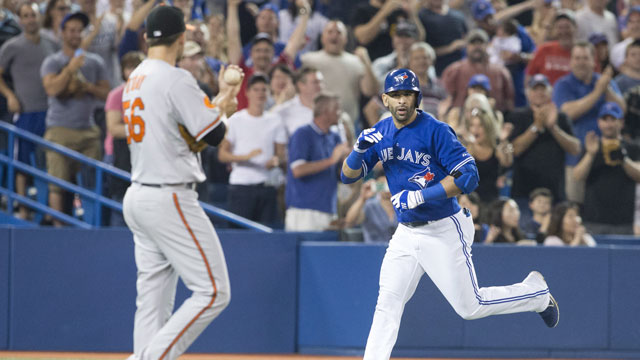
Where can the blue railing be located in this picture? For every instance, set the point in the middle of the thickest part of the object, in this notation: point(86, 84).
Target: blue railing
point(96, 199)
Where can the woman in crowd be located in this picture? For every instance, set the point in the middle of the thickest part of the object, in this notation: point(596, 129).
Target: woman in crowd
point(566, 229)
point(504, 223)
point(53, 15)
point(217, 43)
point(490, 150)
point(281, 85)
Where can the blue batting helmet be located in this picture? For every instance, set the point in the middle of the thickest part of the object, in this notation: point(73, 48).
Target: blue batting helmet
point(403, 79)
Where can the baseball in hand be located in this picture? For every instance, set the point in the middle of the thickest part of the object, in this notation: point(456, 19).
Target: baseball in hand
point(232, 76)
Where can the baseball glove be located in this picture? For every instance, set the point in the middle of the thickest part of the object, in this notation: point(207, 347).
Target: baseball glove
point(194, 146)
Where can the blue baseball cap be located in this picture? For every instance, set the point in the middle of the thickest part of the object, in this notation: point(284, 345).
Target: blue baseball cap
point(598, 38)
point(611, 109)
point(79, 15)
point(480, 9)
point(633, 9)
point(538, 79)
point(480, 80)
point(270, 6)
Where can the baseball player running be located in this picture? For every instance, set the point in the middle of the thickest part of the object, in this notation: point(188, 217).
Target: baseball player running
point(173, 236)
point(426, 167)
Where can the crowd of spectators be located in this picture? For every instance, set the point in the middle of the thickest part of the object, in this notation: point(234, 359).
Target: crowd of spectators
point(545, 94)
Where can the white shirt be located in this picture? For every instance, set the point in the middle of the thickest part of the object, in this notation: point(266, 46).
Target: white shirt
point(556, 241)
point(618, 52)
point(293, 115)
point(342, 75)
point(511, 44)
point(246, 133)
point(315, 25)
point(155, 100)
point(590, 22)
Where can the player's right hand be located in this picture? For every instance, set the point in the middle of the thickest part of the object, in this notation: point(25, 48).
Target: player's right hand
point(367, 139)
point(406, 200)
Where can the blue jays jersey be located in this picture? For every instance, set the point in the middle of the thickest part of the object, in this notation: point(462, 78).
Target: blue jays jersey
point(417, 156)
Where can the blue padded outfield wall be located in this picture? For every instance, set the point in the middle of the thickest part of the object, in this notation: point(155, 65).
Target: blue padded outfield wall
point(74, 290)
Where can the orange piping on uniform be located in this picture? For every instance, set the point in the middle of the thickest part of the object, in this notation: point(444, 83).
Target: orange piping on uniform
point(206, 262)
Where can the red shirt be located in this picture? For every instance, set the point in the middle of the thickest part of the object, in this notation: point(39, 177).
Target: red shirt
point(243, 102)
point(457, 75)
point(550, 59)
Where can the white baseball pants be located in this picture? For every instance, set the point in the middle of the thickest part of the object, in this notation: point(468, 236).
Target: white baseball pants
point(173, 237)
point(441, 249)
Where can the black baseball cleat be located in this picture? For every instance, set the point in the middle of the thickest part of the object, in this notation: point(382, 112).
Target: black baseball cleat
point(551, 315)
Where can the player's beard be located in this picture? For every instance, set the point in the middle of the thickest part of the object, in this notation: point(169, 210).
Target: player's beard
point(402, 113)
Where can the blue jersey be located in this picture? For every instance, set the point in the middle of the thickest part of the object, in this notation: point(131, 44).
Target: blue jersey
point(417, 156)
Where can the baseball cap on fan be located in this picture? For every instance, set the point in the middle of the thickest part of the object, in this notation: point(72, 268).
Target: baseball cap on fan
point(406, 29)
point(565, 14)
point(480, 9)
point(477, 35)
point(271, 7)
point(191, 48)
point(263, 36)
point(164, 21)
point(79, 15)
point(633, 9)
point(480, 80)
point(611, 109)
point(598, 38)
point(538, 79)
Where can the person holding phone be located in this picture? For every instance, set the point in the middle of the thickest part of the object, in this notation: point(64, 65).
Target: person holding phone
point(374, 211)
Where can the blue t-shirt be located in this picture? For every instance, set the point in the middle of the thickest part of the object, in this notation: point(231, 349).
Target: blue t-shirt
point(518, 70)
point(570, 88)
point(317, 191)
point(417, 156)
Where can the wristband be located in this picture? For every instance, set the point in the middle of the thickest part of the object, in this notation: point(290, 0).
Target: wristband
point(354, 160)
point(435, 192)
